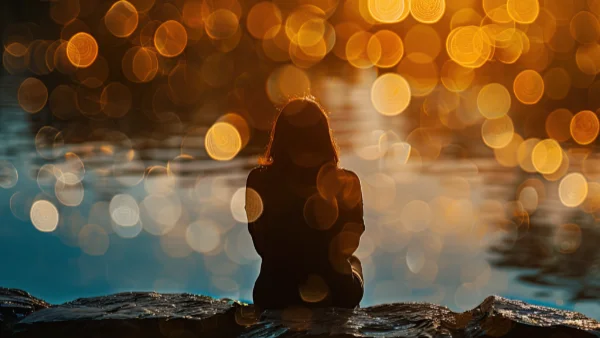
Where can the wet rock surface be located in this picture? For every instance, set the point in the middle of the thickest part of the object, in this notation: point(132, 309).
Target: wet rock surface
point(140, 314)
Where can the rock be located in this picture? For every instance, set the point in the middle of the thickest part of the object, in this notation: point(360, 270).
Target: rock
point(137, 314)
point(16, 305)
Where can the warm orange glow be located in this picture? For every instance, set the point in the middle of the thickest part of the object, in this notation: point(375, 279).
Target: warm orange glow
point(121, 19)
point(170, 38)
point(427, 11)
point(573, 190)
point(223, 141)
point(455, 77)
point(44, 216)
point(528, 87)
point(389, 11)
point(64, 11)
point(221, 24)
point(82, 50)
point(497, 133)
point(547, 156)
point(493, 101)
point(32, 95)
point(390, 94)
point(523, 11)
point(469, 46)
point(116, 100)
point(558, 124)
point(392, 48)
point(145, 64)
point(264, 20)
point(584, 127)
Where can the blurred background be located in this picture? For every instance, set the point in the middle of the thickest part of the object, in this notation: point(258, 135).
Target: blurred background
point(128, 129)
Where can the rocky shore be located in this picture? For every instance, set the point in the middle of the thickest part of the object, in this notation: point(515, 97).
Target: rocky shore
point(148, 315)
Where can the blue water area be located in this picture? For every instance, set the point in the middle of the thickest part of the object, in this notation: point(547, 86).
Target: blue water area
point(456, 262)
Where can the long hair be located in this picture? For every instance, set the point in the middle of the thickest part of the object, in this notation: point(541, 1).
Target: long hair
point(302, 125)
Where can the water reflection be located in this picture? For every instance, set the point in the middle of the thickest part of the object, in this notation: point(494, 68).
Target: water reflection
point(139, 160)
point(558, 257)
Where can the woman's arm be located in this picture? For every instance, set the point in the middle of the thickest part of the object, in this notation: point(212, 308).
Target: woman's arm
point(255, 209)
point(351, 201)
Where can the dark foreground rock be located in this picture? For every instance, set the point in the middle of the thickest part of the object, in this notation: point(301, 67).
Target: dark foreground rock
point(148, 315)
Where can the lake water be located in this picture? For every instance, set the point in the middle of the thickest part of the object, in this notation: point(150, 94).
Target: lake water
point(442, 231)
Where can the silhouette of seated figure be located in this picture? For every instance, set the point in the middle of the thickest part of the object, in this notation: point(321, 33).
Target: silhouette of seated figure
point(305, 216)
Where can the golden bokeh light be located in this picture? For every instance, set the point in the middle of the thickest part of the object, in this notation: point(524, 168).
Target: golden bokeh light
point(68, 189)
point(585, 28)
point(547, 156)
point(497, 133)
point(44, 216)
point(455, 77)
point(32, 95)
point(557, 83)
point(573, 190)
point(507, 155)
point(465, 17)
point(95, 75)
point(203, 236)
point(415, 47)
point(155, 109)
point(121, 19)
point(116, 100)
point(159, 213)
point(392, 48)
point(191, 14)
point(93, 240)
point(221, 24)
point(389, 11)
point(390, 94)
point(427, 11)
point(9, 176)
point(223, 141)
point(584, 127)
point(48, 142)
point(469, 46)
point(422, 77)
point(314, 290)
point(524, 154)
point(321, 213)
point(567, 238)
point(124, 210)
point(592, 201)
point(64, 11)
point(145, 64)
point(254, 205)
point(16, 49)
point(523, 11)
point(528, 87)
point(587, 58)
point(286, 82)
point(170, 38)
point(558, 124)
point(493, 101)
point(82, 50)
point(142, 6)
point(361, 51)
point(264, 20)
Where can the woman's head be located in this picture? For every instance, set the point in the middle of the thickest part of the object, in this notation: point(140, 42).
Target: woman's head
point(301, 136)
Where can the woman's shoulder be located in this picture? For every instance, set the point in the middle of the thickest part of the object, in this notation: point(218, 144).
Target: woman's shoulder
point(256, 174)
point(349, 175)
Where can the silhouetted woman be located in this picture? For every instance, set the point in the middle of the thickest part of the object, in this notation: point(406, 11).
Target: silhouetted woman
point(305, 215)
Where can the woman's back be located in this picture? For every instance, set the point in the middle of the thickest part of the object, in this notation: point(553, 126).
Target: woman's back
point(311, 218)
point(310, 225)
